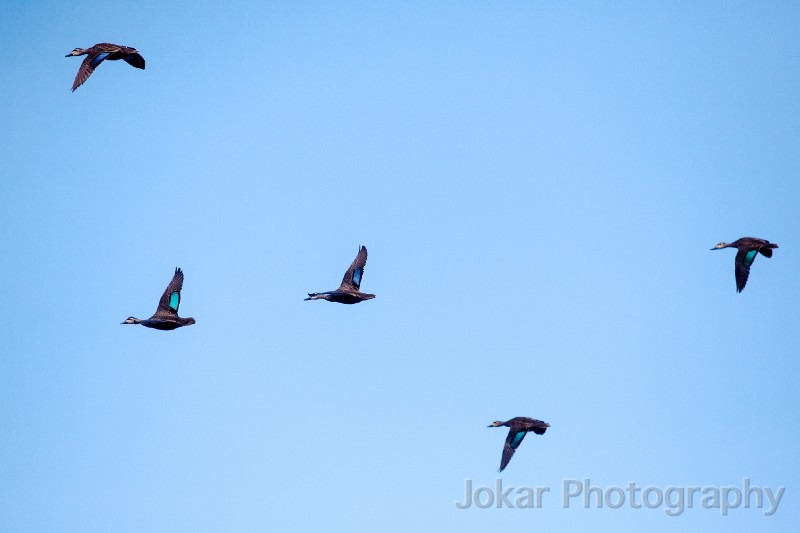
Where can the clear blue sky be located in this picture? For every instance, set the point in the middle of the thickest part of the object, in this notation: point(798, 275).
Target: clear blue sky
point(538, 185)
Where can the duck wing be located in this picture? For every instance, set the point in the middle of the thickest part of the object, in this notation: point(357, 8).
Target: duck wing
point(744, 258)
point(539, 427)
point(171, 299)
point(90, 62)
point(352, 278)
point(513, 441)
point(135, 60)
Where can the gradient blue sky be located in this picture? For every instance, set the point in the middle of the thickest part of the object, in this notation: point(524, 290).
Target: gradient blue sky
point(538, 184)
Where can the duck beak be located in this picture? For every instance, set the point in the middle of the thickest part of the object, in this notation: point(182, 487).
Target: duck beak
point(69, 54)
point(715, 248)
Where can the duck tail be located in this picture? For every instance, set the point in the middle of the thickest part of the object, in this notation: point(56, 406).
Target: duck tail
point(766, 251)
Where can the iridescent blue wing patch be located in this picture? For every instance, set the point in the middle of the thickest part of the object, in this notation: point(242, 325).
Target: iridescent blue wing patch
point(750, 257)
point(174, 301)
point(99, 59)
point(357, 277)
point(517, 439)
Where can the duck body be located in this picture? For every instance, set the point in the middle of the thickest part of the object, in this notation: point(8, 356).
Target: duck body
point(166, 316)
point(349, 292)
point(342, 297)
point(162, 324)
point(747, 250)
point(103, 52)
point(519, 427)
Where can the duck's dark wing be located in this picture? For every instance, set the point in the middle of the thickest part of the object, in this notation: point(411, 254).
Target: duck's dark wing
point(744, 258)
point(171, 299)
point(539, 427)
point(90, 62)
point(135, 60)
point(513, 440)
point(352, 278)
point(766, 252)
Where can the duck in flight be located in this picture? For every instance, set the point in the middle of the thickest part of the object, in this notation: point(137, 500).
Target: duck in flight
point(520, 426)
point(99, 53)
point(349, 292)
point(166, 316)
point(747, 250)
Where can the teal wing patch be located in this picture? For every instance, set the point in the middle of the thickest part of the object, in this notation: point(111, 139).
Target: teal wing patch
point(174, 301)
point(357, 277)
point(749, 257)
point(517, 439)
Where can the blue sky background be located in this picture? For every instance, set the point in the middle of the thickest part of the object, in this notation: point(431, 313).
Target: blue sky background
point(538, 185)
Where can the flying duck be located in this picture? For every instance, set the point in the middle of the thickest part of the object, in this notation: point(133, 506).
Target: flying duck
point(748, 248)
point(520, 426)
point(166, 316)
point(349, 291)
point(99, 53)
